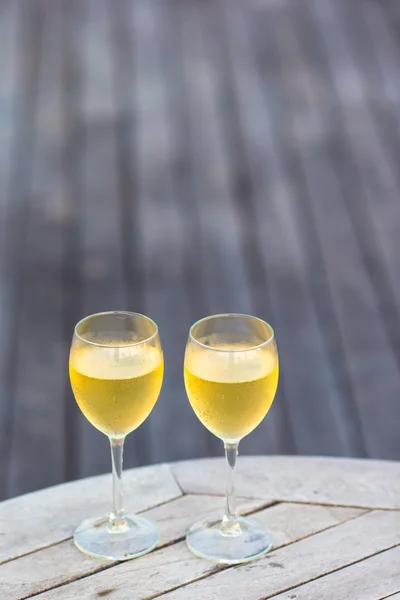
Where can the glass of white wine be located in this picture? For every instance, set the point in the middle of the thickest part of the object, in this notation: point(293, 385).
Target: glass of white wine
point(116, 369)
point(231, 375)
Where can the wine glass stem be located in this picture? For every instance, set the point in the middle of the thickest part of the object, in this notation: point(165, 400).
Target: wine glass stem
point(117, 520)
point(229, 522)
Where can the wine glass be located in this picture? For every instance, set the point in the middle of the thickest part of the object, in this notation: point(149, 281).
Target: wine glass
point(231, 375)
point(116, 369)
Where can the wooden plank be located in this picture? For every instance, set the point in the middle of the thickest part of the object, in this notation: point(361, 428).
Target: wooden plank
point(8, 96)
point(283, 569)
point(162, 234)
point(305, 354)
point(373, 134)
point(10, 103)
point(17, 219)
point(155, 573)
point(71, 193)
point(49, 516)
point(62, 563)
point(38, 412)
point(8, 93)
point(103, 285)
point(362, 581)
point(370, 484)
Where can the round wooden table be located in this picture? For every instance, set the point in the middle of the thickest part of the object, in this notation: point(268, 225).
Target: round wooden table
point(335, 522)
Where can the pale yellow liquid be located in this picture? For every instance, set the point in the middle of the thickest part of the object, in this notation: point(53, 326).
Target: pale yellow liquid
point(231, 392)
point(116, 388)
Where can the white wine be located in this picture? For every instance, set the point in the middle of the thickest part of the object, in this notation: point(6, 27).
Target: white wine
point(231, 390)
point(116, 387)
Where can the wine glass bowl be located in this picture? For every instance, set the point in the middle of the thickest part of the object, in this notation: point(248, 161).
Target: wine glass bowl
point(116, 376)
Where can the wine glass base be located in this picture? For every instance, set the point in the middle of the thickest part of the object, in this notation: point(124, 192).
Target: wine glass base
point(96, 538)
point(209, 541)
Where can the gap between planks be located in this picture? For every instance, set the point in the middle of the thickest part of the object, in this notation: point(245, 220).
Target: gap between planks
point(302, 502)
point(178, 483)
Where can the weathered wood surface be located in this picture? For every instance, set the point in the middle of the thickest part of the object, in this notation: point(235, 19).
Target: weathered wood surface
point(369, 579)
point(62, 506)
point(372, 484)
point(186, 157)
point(320, 551)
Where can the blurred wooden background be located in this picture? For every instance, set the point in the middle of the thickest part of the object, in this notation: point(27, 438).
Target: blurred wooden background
point(187, 157)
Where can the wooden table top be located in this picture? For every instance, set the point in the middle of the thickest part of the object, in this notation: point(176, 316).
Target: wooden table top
point(335, 523)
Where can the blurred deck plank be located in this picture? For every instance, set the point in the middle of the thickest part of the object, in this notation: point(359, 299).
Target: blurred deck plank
point(15, 265)
point(70, 193)
point(9, 64)
point(185, 157)
point(38, 428)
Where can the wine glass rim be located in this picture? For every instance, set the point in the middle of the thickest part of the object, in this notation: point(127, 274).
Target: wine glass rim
point(255, 347)
point(116, 312)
